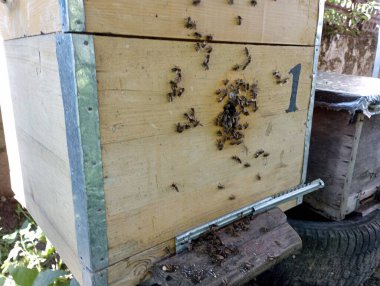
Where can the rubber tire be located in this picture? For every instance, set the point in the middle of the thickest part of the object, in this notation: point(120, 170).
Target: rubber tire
point(334, 253)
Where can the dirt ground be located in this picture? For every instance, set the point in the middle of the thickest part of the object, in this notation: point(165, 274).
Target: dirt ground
point(9, 219)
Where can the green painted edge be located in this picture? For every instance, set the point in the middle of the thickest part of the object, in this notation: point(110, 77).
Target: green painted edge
point(72, 15)
point(77, 69)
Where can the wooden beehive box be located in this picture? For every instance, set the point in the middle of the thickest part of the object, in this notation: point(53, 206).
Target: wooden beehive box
point(345, 144)
point(104, 171)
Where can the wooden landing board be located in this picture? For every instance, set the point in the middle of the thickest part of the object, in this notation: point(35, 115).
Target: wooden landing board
point(38, 116)
point(143, 155)
point(291, 22)
point(231, 256)
point(135, 269)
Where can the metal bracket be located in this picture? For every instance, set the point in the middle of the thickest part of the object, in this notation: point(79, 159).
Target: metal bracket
point(183, 241)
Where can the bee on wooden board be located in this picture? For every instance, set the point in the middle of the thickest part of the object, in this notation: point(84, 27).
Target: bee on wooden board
point(237, 159)
point(253, 3)
point(174, 187)
point(221, 187)
point(190, 24)
point(196, 2)
point(239, 20)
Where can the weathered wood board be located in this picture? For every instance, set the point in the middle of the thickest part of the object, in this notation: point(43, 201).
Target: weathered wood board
point(267, 22)
point(34, 108)
point(143, 155)
point(28, 18)
point(291, 22)
point(133, 270)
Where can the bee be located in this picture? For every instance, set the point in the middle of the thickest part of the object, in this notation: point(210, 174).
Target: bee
point(209, 50)
point(225, 82)
point(236, 142)
point(176, 69)
point(266, 154)
point(179, 128)
point(221, 187)
point(206, 62)
point(175, 187)
point(170, 96)
point(258, 177)
point(236, 67)
point(253, 3)
point(220, 144)
point(237, 159)
point(196, 2)
point(198, 47)
point(181, 90)
point(232, 197)
point(190, 24)
point(219, 133)
point(209, 38)
point(239, 20)
point(245, 125)
point(197, 35)
point(247, 165)
point(230, 2)
point(282, 81)
point(277, 75)
point(259, 153)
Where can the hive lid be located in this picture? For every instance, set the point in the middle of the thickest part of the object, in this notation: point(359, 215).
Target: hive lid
point(347, 92)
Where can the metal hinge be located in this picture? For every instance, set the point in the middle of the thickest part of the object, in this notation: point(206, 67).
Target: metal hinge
point(183, 241)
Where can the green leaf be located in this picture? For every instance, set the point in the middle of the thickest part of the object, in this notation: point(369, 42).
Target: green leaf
point(22, 275)
point(48, 277)
point(10, 238)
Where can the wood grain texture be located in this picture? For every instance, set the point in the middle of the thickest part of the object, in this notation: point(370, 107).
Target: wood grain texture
point(367, 167)
point(133, 270)
point(331, 149)
point(143, 155)
point(41, 138)
point(29, 18)
point(267, 239)
point(284, 22)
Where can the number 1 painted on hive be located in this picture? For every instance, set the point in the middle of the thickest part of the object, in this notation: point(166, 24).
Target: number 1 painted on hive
point(296, 71)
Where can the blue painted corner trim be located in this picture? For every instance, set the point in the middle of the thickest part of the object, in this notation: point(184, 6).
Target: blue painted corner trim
point(77, 71)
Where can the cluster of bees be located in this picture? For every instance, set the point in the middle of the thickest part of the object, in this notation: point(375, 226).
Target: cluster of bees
point(192, 121)
point(279, 79)
point(241, 99)
point(176, 90)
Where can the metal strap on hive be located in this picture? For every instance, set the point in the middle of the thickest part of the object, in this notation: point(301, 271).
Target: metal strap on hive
point(184, 240)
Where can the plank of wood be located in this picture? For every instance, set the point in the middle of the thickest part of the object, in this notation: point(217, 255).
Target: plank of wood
point(133, 270)
point(367, 167)
point(331, 147)
point(143, 155)
point(262, 243)
point(290, 22)
point(29, 18)
point(38, 118)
